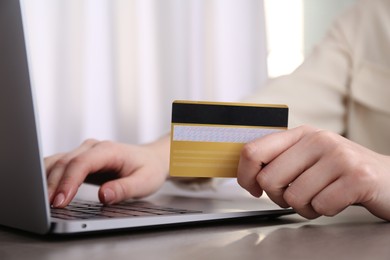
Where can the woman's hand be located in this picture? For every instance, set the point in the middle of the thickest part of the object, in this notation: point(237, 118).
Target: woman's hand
point(140, 170)
point(316, 173)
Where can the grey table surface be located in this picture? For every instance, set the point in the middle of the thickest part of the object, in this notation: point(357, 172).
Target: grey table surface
point(353, 234)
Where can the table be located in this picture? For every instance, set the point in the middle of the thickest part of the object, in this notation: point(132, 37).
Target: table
point(353, 234)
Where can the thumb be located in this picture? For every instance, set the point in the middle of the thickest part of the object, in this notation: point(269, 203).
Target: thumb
point(137, 185)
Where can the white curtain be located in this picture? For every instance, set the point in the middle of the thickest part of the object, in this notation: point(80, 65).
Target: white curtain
point(109, 69)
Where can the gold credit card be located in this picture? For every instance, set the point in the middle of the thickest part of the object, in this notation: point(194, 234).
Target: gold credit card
point(207, 137)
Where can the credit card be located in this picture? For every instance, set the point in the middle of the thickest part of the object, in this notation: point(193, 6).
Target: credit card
point(207, 137)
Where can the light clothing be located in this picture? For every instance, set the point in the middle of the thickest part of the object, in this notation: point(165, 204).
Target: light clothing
point(344, 84)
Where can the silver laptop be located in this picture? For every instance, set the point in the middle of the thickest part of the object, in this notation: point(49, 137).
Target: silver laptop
point(23, 193)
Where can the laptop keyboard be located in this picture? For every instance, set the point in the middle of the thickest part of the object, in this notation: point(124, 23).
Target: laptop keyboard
point(80, 209)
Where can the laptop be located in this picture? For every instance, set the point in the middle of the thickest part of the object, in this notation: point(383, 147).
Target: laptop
point(23, 192)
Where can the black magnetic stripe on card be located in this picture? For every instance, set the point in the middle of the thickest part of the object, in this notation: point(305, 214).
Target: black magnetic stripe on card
point(229, 115)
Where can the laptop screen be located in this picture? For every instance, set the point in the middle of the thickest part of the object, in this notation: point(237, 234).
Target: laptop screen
point(22, 181)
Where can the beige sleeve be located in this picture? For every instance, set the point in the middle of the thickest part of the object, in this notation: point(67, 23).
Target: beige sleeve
point(317, 91)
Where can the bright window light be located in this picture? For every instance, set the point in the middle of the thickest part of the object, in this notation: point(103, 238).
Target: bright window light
point(284, 26)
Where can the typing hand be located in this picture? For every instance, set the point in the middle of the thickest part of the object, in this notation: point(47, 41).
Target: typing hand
point(140, 170)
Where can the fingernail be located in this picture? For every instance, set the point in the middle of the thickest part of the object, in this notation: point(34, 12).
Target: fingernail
point(109, 196)
point(256, 193)
point(59, 199)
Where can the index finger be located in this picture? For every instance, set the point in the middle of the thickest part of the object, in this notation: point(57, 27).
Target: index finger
point(260, 152)
point(103, 156)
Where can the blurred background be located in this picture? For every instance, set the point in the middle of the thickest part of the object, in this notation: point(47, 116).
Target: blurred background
point(109, 69)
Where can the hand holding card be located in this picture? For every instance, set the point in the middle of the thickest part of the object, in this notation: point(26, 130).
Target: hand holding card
point(207, 137)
